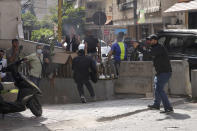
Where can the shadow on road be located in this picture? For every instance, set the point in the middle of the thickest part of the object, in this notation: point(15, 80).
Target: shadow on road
point(176, 116)
point(103, 119)
point(18, 121)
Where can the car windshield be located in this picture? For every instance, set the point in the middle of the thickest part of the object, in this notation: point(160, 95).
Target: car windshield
point(103, 44)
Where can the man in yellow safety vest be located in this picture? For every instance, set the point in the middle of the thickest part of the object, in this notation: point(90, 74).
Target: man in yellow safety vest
point(119, 50)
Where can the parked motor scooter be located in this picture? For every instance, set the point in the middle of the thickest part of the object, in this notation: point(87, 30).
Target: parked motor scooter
point(27, 93)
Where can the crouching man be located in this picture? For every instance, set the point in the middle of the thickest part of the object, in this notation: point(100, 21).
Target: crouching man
point(82, 66)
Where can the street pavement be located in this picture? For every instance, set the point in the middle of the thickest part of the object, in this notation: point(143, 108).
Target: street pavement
point(116, 115)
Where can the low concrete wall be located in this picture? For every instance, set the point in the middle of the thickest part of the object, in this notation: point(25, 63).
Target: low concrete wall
point(194, 83)
point(135, 77)
point(138, 77)
point(179, 83)
point(65, 91)
point(28, 46)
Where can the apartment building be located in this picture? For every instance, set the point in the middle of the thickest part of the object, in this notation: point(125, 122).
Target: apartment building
point(180, 14)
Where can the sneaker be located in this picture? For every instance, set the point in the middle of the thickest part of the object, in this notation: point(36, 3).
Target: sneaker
point(153, 107)
point(83, 99)
point(167, 111)
point(102, 77)
point(107, 76)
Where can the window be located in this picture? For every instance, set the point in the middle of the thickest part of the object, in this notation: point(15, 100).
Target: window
point(120, 1)
point(176, 44)
point(91, 5)
point(103, 44)
point(162, 40)
point(191, 46)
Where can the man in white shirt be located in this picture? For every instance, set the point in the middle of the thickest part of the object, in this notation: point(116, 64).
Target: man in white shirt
point(3, 63)
point(35, 61)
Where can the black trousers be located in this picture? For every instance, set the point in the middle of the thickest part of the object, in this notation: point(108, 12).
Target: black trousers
point(89, 87)
point(117, 67)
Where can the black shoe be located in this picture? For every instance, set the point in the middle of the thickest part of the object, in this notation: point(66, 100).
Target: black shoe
point(153, 107)
point(83, 99)
point(167, 111)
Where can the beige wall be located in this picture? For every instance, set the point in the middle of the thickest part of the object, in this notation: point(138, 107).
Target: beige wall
point(10, 17)
point(108, 7)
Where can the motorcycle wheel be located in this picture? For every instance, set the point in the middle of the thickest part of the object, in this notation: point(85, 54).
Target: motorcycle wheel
point(35, 106)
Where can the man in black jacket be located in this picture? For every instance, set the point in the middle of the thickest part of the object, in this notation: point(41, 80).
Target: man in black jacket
point(163, 72)
point(72, 40)
point(81, 66)
point(91, 45)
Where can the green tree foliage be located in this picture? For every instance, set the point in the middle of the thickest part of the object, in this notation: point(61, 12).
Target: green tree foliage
point(41, 31)
point(29, 20)
point(46, 23)
point(42, 35)
point(70, 16)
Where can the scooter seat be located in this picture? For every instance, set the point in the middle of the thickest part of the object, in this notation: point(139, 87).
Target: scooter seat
point(9, 97)
point(8, 85)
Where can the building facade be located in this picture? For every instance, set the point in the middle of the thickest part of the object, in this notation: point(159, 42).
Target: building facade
point(180, 14)
point(10, 19)
point(123, 17)
point(41, 8)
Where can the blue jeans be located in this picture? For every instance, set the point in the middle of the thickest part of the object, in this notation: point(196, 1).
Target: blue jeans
point(160, 95)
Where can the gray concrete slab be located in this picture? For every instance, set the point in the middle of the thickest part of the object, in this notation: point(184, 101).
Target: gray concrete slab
point(65, 91)
point(179, 83)
point(194, 83)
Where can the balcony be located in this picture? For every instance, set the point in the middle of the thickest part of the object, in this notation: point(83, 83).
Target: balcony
point(125, 6)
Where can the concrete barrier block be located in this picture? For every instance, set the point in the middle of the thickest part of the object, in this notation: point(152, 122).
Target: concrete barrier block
point(179, 83)
point(104, 89)
point(65, 91)
point(136, 68)
point(194, 83)
point(149, 95)
point(137, 85)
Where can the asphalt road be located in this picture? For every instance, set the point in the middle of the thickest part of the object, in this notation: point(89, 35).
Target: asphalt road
point(116, 115)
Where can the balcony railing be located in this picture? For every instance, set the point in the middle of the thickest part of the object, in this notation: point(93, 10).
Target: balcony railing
point(126, 5)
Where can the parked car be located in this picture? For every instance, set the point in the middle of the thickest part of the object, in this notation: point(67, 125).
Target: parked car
point(181, 44)
point(104, 48)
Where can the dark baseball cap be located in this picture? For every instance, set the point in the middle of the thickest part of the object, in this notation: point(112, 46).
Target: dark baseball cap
point(153, 36)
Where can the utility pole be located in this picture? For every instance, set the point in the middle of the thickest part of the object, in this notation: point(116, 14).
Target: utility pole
point(135, 18)
point(59, 21)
